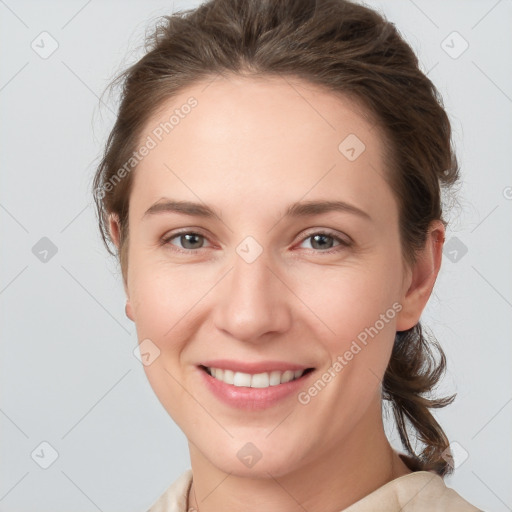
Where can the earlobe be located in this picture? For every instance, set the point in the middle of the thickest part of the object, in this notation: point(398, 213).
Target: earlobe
point(422, 278)
point(128, 311)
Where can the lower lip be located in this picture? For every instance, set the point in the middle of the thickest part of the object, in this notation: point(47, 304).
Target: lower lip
point(252, 398)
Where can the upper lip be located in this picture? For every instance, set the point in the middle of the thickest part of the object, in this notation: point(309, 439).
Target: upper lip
point(253, 367)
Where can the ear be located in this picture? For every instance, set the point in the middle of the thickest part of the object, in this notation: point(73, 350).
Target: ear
point(115, 230)
point(421, 278)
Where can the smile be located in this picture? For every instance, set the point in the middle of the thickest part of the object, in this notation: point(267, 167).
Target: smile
point(258, 380)
point(253, 391)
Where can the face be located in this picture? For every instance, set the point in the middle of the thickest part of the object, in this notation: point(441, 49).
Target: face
point(255, 283)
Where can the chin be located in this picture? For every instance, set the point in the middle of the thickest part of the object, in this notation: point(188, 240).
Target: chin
point(251, 459)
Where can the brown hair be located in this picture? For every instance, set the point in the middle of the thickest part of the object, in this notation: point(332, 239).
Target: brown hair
point(347, 49)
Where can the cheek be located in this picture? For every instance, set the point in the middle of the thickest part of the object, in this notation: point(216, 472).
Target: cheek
point(155, 299)
point(353, 312)
point(348, 299)
point(164, 313)
point(163, 301)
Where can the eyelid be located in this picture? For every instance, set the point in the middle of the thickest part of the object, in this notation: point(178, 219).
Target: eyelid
point(341, 237)
point(166, 239)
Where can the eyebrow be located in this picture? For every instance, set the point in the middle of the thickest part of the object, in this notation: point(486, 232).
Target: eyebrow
point(295, 210)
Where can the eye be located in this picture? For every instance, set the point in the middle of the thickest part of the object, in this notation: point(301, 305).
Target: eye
point(319, 239)
point(189, 240)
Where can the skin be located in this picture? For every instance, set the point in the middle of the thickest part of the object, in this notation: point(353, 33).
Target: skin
point(250, 148)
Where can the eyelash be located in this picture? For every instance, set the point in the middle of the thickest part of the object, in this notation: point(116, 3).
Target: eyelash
point(343, 244)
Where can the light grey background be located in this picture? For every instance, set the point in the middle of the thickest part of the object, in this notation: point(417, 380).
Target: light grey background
point(68, 373)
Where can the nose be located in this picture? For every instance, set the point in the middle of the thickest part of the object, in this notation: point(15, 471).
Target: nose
point(253, 301)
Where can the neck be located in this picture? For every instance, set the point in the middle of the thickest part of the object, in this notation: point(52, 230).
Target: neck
point(335, 479)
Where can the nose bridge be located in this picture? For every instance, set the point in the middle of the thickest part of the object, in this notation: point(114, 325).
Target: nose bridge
point(251, 278)
point(253, 301)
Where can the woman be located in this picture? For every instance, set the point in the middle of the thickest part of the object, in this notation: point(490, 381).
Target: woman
point(272, 187)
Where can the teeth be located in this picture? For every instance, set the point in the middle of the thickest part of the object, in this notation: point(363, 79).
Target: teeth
point(259, 380)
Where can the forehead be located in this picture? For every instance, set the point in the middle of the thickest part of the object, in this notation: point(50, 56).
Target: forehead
point(235, 105)
point(247, 137)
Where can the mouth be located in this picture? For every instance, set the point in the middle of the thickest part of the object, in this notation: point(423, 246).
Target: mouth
point(254, 385)
point(255, 380)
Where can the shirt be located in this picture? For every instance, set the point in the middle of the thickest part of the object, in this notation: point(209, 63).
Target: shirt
point(420, 491)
